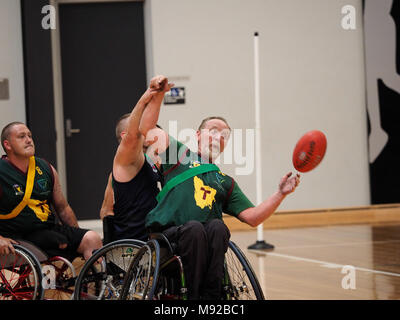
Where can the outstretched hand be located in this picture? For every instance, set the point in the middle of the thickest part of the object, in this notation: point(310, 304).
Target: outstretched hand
point(288, 184)
point(160, 84)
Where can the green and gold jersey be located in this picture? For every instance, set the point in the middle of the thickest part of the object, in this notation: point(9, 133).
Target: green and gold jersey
point(202, 198)
point(36, 213)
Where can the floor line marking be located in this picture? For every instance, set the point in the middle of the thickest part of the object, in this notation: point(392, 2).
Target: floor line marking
point(324, 263)
point(337, 244)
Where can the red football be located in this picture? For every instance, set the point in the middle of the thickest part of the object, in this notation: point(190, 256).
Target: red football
point(309, 151)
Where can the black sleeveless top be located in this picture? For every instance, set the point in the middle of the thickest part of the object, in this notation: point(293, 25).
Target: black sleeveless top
point(133, 200)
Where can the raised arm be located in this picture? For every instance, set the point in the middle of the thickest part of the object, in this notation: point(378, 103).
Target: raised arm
point(129, 157)
point(256, 215)
point(150, 115)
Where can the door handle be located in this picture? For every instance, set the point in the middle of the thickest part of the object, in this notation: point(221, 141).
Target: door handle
point(68, 128)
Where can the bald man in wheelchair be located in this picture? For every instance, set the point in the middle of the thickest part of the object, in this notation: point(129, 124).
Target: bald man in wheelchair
point(29, 188)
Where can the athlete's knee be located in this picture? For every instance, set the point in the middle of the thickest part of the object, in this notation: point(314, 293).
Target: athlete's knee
point(194, 228)
point(218, 227)
point(91, 239)
point(90, 242)
point(193, 231)
point(218, 234)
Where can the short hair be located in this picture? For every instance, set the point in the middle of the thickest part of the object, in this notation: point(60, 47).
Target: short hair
point(5, 133)
point(121, 126)
point(203, 123)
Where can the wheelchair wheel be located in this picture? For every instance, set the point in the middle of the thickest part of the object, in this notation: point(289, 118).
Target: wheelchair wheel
point(142, 275)
point(20, 276)
point(64, 278)
point(101, 277)
point(240, 281)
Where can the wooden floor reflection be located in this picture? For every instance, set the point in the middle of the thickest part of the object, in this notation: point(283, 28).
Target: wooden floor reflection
point(309, 263)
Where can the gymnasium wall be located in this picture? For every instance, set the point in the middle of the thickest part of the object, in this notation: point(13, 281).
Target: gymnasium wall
point(11, 62)
point(311, 77)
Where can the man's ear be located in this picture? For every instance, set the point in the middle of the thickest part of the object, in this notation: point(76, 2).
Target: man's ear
point(7, 145)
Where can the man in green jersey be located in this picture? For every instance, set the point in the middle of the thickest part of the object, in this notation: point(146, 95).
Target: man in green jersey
point(190, 206)
point(28, 187)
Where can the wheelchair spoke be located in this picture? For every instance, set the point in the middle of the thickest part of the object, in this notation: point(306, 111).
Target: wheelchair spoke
point(102, 276)
point(141, 277)
point(242, 283)
point(18, 280)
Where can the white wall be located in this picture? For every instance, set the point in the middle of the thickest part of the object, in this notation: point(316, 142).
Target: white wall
point(311, 75)
point(11, 62)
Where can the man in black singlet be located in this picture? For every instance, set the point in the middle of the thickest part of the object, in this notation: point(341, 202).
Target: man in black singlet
point(132, 187)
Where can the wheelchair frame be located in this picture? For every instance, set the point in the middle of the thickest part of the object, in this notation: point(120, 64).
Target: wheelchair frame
point(126, 269)
point(148, 276)
point(22, 274)
point(102, 275)
point(153, 272)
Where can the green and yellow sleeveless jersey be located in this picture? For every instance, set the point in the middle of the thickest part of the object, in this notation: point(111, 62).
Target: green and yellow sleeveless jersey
point(36, 213)
point(203, 197)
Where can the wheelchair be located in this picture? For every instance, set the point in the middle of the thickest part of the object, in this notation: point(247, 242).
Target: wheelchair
point(102, 275)
point(30, 274)
point(156, 273)
point(130, 269)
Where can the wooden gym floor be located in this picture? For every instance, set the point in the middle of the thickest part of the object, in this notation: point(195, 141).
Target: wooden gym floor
point(312, 248)
point(307, 262)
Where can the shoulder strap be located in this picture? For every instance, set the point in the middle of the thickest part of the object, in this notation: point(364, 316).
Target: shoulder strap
point(28, 191)
point(185, 176)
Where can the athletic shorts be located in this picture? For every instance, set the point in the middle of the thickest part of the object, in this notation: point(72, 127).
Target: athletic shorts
point(49, 240)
